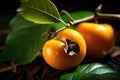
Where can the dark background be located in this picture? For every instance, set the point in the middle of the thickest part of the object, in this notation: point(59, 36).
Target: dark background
point(8, 7)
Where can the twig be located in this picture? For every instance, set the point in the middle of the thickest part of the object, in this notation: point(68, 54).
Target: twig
point(97, 15)
point(2, 47)
point(12, 67)
point(105, 15)
point(82, 20)
point(108, 16)
point(116, 52)
point(5, 31)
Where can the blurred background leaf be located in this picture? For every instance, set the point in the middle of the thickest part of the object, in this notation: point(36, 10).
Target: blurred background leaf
point(24, 41)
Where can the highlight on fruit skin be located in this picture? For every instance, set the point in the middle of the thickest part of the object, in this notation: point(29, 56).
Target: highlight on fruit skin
point(57, 55)
point(99, 38)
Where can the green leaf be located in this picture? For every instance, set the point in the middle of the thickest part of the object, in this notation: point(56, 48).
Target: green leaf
point(39, 11)
point(93, 71)
point(25, 41)
point(22, 45)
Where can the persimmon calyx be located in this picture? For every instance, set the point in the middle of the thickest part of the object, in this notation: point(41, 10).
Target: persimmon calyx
point(71, 47)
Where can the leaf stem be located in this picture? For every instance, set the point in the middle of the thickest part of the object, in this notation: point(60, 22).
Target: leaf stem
point(63, 22)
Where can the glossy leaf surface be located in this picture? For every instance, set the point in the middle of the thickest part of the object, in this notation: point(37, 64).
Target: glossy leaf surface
point(39, 11)
point(93, 71)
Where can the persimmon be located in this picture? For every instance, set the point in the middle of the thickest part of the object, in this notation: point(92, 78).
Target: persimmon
point(65, 51)
point(100, 38)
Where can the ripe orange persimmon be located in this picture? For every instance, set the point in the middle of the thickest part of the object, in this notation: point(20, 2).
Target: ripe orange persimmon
point(65, 51)
point(100, 39)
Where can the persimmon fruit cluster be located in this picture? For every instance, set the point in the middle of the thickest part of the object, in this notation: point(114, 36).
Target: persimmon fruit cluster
point(69, 48)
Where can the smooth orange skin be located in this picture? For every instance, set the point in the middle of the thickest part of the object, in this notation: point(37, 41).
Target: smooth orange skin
point(100, 39)
point(54, 54)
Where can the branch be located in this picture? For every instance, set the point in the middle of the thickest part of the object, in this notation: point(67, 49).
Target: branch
point(105, 15)
point(97, 15)
point(110, 16)
point(12, 67)
point(82, 20)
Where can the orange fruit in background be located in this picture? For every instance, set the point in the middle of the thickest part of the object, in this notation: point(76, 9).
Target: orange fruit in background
point(65, 51)
point(100, 39)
